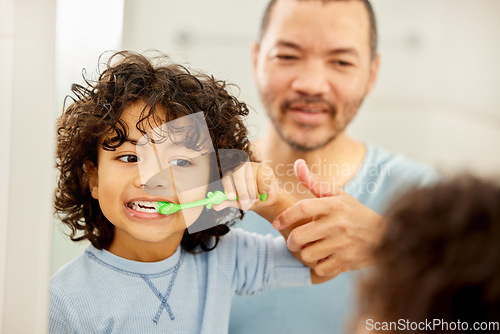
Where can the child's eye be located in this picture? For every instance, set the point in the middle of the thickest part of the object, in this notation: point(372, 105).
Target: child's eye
point(130, 158)
point(181, 162)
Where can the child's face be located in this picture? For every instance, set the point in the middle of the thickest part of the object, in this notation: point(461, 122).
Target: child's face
point(116, 183)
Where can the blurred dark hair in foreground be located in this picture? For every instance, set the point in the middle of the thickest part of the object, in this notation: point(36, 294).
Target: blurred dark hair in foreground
point(439, 258)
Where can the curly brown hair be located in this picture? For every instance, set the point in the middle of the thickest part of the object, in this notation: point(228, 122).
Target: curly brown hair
point(93, 120)
point(439, 257)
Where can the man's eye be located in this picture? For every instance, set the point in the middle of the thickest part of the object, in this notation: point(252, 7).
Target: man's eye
point(342, 63)
point(130, 158)
point(286, 57)
point(181, 162)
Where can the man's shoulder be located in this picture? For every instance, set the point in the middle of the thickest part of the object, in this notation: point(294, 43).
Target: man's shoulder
point(382, 165)
point(385, 175)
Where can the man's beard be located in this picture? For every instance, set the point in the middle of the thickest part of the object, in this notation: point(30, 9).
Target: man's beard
point(350, 111)
point(299, 146)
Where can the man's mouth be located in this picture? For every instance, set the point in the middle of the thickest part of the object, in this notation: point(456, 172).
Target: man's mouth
point(310, 106)
point(309, 114)
point(310, 110)
point(144, 206)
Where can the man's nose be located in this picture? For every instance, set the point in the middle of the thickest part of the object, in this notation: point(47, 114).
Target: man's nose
point(312, 79)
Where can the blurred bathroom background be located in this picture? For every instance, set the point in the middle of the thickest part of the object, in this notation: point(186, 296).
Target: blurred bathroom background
point(436, 100)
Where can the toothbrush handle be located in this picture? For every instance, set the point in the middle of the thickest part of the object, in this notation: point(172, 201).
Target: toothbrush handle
point(216, 197)
point(213, 198)
point(190, 205)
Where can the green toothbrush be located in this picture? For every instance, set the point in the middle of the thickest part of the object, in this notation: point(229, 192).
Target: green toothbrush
point(212, 199)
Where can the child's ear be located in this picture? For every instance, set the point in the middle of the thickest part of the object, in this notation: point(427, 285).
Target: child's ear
point(91, 171)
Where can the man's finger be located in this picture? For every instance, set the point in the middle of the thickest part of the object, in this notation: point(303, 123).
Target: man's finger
point(340, 260)
point(318, 250)
point(311, 182)
point(305, 210)
point(307, 235)
point(330, 266)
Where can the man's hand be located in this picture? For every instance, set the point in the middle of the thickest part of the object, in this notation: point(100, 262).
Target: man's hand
point(339, 233)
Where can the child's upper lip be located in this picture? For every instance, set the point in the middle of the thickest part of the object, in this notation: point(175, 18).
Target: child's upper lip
point(151, 199)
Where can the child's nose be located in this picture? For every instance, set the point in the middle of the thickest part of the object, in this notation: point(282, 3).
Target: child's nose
point(160, 184)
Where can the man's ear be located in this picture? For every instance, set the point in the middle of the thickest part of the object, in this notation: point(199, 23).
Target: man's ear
point(91, 171)
point(374, 67)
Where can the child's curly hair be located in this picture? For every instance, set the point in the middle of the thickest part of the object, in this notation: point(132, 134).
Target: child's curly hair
point(93, 120)
point(439, 257)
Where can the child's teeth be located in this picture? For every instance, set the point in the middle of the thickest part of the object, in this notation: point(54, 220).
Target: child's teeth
point(144, 206)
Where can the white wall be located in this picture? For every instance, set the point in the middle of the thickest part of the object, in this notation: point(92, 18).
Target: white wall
point(436, 99)
point(214, 36)
point(27, 39)
point(6, 61)
point(437, 96)
point(85, 29)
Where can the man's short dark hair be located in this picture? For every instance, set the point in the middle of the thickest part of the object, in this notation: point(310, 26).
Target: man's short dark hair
point(373, 22)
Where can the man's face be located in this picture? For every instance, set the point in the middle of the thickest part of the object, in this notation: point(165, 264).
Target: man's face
point(313, 68)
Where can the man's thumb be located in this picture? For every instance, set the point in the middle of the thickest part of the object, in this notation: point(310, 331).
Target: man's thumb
point(311, 182)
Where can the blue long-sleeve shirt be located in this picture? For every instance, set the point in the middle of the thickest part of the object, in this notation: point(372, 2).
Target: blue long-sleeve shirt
point(100, 292)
